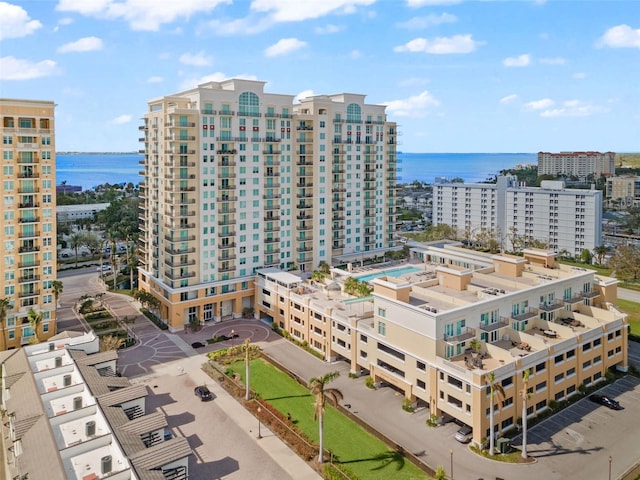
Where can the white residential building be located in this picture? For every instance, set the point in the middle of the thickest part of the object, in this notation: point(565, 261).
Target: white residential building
point(561, 218)
point(236, 179)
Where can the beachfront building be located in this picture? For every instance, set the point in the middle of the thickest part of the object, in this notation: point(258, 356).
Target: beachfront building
point(583, 165)
point(68, 415)
point(237, 179)
point(623, 191)
point(566, 220)
point(437, 327)
point(28, 231)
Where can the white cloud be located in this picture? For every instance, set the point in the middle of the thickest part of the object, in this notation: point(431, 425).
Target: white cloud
point(508, 99)
point(140, 14)
point(238, 26)
point(539, 104)
point(412, 82)
point(579, 75)
point(122, 119)
point(12, 68)
point(65, 21)
point(328, 29)
point(155, 79)
point(573, 108)
point(621, 36)
point(192, 82)
point(519, 61)
point(294, 11)
point(430, 3)
point(86, 44)
point(415, 106)
point(355, 54)
point(441, 45)
point(304, 94)
point(553, 61)
point(199, 59)
point(15, 22)
point(420, 23)
point(284, 46)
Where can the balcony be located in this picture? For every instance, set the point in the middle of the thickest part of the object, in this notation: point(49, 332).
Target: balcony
point(28, 293)
point(34, 234)
point(180, 275)
point(226, 152)
point(272, 152)
point(303, 205)
point(27, 191)
point(551, 307)
point(226, 198)
point(526, 315)
point(226, 211)
point(273, 196)
point(465, 334)
point(272, 185)
point(272, 228)
point(28, 278)
point(577, 298)
point(272, 240)
point(189, 238)
point(227, 187)
point(28, 249)
point(227, 234)
point(186, 189)
point(227, 268)
point(181, 125)
point(272, 218)
point(29, 264)
point(227, 245)
point(224, 258)
point(304, 195)
point(491, 327)
point(28, 219)
point(179, 263)
point(228, 221)
point(303, 163)
point(304, 249)
point(181, 251)
point(338, 190)
point(269, 173)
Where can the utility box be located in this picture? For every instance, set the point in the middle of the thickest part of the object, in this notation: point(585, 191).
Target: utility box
point(504, 445)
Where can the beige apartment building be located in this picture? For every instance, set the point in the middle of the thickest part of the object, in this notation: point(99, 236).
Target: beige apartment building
point(28, 219)
point(623, 191)
point(415, 333)
point(237, 179)
point(579, 164)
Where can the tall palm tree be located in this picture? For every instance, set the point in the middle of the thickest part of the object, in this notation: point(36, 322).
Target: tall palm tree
point(76, 240)
point(495, 390)
point(35, 319)
point(5, 306)
point(57, 287)
point(524, 394)
point(318, 387)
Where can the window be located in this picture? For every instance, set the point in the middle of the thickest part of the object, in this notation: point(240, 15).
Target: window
point(382, 328)
point(382, 312)
point(541, 367)
point(541, 386)
point(421, 365)
point(421, 384)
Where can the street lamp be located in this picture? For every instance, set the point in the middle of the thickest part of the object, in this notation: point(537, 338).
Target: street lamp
point(233, 332)
point(610, 459)
point(259, 432)
point(451, 453)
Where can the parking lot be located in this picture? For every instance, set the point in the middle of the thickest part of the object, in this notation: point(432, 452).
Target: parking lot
point(579, 440)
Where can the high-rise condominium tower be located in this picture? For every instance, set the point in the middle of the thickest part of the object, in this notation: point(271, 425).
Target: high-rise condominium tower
point(28, 221)
point(236, 179)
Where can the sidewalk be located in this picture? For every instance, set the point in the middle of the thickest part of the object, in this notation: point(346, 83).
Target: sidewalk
point(270, 443)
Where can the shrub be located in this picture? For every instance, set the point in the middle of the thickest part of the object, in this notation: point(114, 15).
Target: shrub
point(407, 405)
point(432, 421)
point(151, 316)
point(369, 383)
point(440, 473)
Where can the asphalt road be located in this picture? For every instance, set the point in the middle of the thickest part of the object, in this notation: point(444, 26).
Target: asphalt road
point(631, 295)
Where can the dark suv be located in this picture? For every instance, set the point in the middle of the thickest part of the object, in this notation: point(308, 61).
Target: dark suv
point(203, 392)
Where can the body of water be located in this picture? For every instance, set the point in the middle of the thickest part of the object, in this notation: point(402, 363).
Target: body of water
point(90, 170)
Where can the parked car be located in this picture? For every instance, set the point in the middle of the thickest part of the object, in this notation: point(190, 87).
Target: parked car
point(197, 344)
point(104, 268)
point(464, 434)
point(606, 401)
point(203, 392)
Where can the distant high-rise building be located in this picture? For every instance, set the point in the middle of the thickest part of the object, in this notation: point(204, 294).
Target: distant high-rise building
point(623, 191)
point(578, 164)
point(563, 219)
point(28, 220)
point(236, 179)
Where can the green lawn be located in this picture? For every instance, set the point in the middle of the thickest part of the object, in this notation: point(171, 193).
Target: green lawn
point(360, 452)
point(633, 310)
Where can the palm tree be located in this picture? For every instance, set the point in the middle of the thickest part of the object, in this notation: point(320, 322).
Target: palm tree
point(57, 287)
point(247, 370)
point(524, 393)
point(110, 342)
point(600, 252)
point(495, 389)
point(35, 319)
point(5, 306)
point(76, 241)
point(317, 385)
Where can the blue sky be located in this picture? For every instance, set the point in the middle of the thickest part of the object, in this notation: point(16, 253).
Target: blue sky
point(457, 76)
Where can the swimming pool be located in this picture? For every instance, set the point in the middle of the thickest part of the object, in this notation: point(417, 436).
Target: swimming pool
point(395, 272)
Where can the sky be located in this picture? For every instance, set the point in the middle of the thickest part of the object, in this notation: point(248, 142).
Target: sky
point(457, 76)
